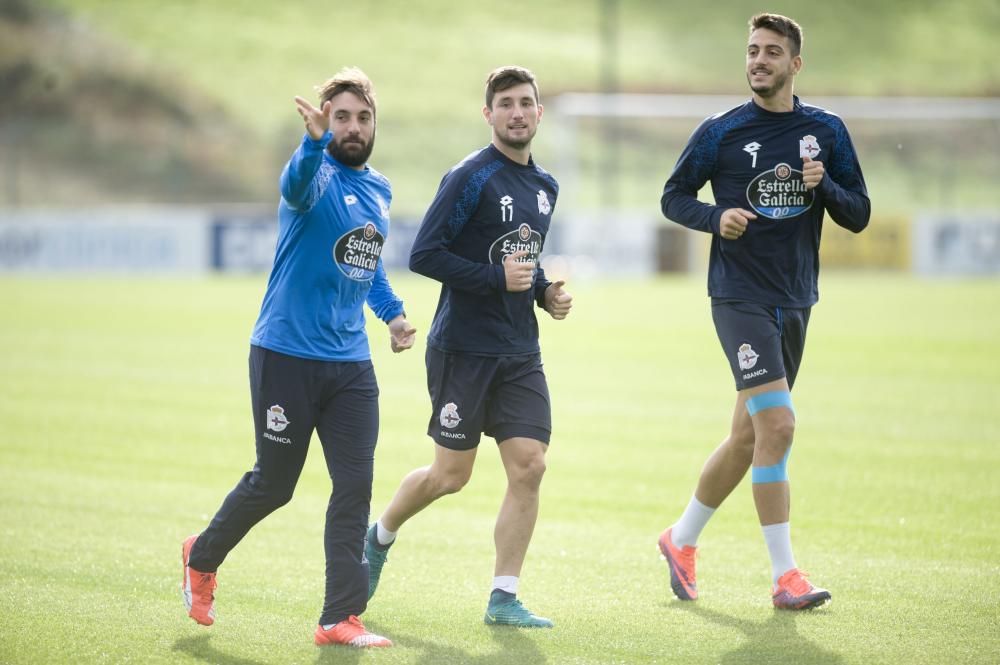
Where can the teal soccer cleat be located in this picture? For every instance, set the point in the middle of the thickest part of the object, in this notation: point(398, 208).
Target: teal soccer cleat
point(506, 610)
point(376, 555)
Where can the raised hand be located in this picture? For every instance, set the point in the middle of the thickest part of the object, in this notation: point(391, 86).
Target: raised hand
point(519, 275)
point(318, 121)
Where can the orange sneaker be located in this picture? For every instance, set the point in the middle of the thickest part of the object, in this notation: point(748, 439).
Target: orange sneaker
point(350, 632)
point(198, 588)
point(794, 592)
point(681, 562)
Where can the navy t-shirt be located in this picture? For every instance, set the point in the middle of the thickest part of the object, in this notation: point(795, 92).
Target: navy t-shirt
point(486, 208)
point(754, 158)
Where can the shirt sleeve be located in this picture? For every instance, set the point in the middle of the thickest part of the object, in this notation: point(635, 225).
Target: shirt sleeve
point(381, 298)
point(679, 202)
point(539, 286)
point(455, 202)
point(845, 195)
point(297, 178)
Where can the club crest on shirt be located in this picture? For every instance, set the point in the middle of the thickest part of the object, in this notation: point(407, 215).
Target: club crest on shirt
point(449, 416)
point(779, 193)
point(746, 356)
point(356, 252)
point(383, 207)
point(809, 147)
point(544, 207)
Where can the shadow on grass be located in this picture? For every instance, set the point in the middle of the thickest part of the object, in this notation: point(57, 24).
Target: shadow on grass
point(200, 648)
point(515, 645)
point(776, 640)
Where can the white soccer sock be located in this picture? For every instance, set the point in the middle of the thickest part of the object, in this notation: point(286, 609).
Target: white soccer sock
point(692, 521)
point(506, 583)
point(779, 544)
point(385, 537)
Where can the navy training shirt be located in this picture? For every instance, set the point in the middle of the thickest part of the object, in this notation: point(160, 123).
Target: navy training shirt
point(753, 158)
point(486, 208)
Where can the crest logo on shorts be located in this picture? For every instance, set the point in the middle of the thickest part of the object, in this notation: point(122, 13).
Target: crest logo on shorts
point(369, 231)
point(449, 416)
point(747, 356)
point(544, 207)
point(276, 419)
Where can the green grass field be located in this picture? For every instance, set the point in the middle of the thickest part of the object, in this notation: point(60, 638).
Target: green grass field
point(125, 421)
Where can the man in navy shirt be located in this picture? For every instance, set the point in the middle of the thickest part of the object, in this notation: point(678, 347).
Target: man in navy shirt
point(776, 165)
point(310, 364)
point(481, 238)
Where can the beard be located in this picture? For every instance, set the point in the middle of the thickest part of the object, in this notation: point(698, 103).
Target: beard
point(351, 153)
point(516, 144)
point(769, 90)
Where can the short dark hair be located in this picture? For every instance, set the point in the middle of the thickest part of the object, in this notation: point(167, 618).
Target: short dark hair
point(348, 79)
point(506, 77)
point(781, 25)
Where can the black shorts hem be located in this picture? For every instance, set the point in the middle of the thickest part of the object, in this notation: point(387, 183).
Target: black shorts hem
point(505, 431)
point(454, 444)
point(759, 381)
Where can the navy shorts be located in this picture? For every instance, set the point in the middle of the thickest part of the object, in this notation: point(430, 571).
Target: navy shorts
point(500, 396)
point(762, 343)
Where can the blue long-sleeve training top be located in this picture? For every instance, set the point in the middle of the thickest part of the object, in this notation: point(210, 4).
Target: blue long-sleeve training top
point(332, 224)
point(754, 158)
point(486, 208)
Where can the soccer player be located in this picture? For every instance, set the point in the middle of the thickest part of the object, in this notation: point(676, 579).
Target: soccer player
point(310, 363)
point(775, 164)
point(481, 238)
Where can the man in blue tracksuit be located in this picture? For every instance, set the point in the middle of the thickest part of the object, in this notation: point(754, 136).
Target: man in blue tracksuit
point(776, 165)
point(481, 238)
point(310, 363)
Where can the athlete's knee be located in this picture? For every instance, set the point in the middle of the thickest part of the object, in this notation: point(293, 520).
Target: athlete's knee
point(784, 429)
point(274, 494)
point(774, 418)
point(778, 428)
point(448, 481)
point(528, 472)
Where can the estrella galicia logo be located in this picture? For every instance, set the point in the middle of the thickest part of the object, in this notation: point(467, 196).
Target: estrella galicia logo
point(356, 253)
point(779, 193)
point(522, 238)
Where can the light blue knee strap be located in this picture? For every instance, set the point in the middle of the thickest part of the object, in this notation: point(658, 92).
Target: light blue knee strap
point(770, 400)
point(775, 473)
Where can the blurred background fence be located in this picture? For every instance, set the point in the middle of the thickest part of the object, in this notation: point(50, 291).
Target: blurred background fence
point(147, 136)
